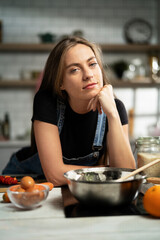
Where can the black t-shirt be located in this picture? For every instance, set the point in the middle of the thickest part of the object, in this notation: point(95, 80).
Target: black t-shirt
point(78, 131)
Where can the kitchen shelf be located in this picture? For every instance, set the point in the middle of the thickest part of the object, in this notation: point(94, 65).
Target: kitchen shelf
point(115, 84)
point(17, 84)
point(14, 143)
point(41, 47)
point(147, 48)
point(25, 47)
point(131, 84)
point(47, 47)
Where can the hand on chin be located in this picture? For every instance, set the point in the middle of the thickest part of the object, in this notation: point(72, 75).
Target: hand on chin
point(94, 104)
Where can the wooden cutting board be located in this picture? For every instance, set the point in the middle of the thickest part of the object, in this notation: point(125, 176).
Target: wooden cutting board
point(3, 187)
point(3, 190)
point(155, 180)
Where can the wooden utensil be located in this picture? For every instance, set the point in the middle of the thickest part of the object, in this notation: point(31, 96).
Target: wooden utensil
point(155, 180)
point(139, 170)
point(3, 190)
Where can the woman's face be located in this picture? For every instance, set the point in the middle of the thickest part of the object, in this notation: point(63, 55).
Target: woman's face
point(82, 78)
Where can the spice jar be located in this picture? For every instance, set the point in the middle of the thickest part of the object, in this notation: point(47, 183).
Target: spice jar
point(148, 149)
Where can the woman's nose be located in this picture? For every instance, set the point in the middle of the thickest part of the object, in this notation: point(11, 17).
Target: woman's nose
point(87, 74)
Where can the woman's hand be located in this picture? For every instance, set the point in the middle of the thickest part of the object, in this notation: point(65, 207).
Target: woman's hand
point(105, 100)
point(117, 141)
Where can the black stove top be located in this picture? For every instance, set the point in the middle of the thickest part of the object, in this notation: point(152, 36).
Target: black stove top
point(73, 208)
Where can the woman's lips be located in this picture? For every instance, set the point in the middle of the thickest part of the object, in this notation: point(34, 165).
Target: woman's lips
point(89, 86)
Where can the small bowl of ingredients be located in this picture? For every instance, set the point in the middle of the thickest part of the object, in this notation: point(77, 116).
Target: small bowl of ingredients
point(28, 195)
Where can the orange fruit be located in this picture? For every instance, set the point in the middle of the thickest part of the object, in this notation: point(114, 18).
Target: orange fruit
point(19, 189)
point(27, 182)
point(49, 184)
point(6, 198)
point(151, 201)
point(14, 188)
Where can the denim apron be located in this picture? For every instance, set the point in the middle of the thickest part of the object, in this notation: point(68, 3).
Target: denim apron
point(33, 165)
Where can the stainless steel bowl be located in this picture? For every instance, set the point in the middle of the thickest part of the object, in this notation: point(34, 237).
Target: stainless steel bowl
point(99, 186)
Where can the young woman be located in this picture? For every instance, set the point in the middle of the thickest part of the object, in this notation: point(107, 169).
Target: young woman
point(77, 121)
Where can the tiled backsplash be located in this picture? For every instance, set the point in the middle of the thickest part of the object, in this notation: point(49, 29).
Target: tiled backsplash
point(101, 21)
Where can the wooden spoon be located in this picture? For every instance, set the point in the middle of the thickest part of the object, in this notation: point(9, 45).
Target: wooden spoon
point(139, 170)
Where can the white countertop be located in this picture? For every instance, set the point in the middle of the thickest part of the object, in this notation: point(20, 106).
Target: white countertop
point(49, 222)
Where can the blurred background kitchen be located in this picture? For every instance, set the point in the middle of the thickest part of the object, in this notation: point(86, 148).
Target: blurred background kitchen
point(128, 33)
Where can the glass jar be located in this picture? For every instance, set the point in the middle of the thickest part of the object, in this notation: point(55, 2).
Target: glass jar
point(148, 149)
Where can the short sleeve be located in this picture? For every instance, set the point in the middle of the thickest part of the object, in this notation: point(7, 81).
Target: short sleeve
point(44, 107)
point(122, 111)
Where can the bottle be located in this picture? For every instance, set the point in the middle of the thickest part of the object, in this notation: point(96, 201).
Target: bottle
point(1, 130)
point(6, 127)
point(148, 149)
point(0, 31)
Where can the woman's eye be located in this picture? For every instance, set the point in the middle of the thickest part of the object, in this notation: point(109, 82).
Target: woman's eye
point(93, 64)
point(74, 70)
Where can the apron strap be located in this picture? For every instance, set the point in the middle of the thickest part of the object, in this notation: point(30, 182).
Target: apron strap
point(100, 131)
point(60, 114)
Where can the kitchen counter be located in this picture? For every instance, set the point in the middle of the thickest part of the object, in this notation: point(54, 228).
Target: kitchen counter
point(49, 222)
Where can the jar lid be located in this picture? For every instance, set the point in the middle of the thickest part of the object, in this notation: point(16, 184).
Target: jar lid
point(148, 140)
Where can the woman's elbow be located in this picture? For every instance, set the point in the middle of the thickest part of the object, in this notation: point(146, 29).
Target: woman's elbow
point(57, 180)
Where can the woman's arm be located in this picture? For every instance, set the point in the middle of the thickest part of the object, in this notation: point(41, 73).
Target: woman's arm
point(50, 153)
point(118, 146)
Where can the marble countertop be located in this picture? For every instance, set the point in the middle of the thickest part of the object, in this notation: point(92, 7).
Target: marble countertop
point(49, 222)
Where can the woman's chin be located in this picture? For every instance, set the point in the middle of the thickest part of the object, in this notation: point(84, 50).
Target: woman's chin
point(94, 93)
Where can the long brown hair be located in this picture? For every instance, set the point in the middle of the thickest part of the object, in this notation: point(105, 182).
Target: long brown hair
point(54, 70)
